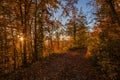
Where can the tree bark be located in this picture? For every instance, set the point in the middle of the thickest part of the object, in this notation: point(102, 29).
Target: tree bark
point(74, 33)
point(35, 38)
point(25, 35)
point(113, 11)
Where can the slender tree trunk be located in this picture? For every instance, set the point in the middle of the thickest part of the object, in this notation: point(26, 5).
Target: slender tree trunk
point(113, 11)
point(14, 55)
point(51, 44)
point(30, 42)
point(35, 38)
point(5, 47)
point(58, 38)
point(21, 13)
point(58, 43)
point(74, 33)
point(41, 41)
point(14, 51)
point(25, 35)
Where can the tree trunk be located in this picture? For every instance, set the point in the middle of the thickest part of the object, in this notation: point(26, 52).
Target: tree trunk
point(35, 38)
point(113, 11)
point(41, 41)
point(74, 33)
point(25, 35)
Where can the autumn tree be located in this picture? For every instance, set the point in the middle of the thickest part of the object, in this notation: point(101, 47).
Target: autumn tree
point(106, 52)
point(77, 27)
point(21, 29)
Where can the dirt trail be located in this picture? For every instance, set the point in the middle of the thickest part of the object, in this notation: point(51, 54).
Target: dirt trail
point(69, 66)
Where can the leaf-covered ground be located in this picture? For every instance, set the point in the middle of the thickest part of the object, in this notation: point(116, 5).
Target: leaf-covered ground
point(68, 66)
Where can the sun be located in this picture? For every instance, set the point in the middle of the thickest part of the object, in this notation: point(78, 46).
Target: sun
point(21, 38)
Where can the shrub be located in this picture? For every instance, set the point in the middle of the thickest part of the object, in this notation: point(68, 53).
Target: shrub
point(106, 58)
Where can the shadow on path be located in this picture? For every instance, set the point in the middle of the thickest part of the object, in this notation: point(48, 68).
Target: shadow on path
point(68, 66)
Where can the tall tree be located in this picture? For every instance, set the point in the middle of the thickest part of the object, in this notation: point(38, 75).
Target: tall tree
point(21, 25)
point(77, 26)
point(106, 51)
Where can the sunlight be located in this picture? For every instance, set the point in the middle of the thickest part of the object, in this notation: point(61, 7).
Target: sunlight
point(21, 38)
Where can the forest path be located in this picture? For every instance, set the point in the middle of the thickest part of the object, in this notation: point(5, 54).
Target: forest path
point(72, 65)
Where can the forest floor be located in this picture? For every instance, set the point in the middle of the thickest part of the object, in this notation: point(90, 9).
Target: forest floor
point(72, 65)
